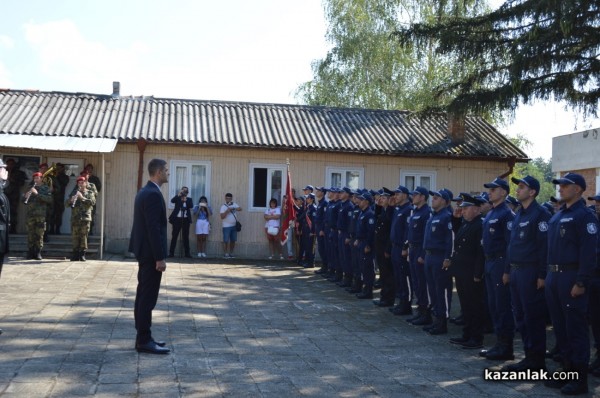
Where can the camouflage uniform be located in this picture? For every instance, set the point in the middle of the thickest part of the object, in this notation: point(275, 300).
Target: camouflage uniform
point(36, 220)
point(81, 216)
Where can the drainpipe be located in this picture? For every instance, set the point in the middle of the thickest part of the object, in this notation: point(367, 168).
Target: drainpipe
point(511, 166)
point(141, 144)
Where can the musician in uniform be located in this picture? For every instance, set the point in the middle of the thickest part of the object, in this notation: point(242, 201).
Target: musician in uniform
point(81, 204)
point(37, 199)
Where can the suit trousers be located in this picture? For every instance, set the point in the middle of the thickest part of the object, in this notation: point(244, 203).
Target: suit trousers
point(145, 298)
point(183, 225)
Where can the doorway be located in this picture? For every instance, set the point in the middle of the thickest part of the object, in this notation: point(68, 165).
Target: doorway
point(72, 169)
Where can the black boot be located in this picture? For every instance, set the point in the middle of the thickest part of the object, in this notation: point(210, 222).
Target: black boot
point(431, 326)
point(504, 352)
point(82, 255)
point(403, 308)
point(521, 366)
point(75, 255)
point(566, 366)
point(579, 386)
point(441, 327)
point(37, 254)
point(346, 281)
point(356, 286)
point(424, 319)
point(29, 254)
point(367, 293)
point(420, 311)
point(483, 353)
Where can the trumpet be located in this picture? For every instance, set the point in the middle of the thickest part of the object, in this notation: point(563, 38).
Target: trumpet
point(82, 190)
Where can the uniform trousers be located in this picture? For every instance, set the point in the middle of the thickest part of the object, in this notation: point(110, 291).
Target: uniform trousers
point(498, 296)
point(528, 305)
point(356, 259)
point(401, 271)
point(79, 234)
point(417, 272)
point(36, 226)
point(145, 298)
point(439, 284)
point(332, 254)
point(344, 253)
point(307, 246)
point(386, 274)
point(367, 266)
point(594, 309)
point(568, 316)
point(321, 245)
point(472, 303)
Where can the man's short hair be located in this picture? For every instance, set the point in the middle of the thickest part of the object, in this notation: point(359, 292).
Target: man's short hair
point(228, 195)
point(155, 166)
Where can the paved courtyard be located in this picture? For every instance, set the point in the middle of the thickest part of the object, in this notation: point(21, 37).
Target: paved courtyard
point(236, 329)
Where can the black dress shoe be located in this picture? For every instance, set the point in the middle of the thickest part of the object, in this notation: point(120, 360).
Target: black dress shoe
point(151, 347)
point(160, 343)
point(383, 303)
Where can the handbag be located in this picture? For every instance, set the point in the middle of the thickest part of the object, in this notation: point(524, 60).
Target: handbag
point(273, 231)
point(238, 225)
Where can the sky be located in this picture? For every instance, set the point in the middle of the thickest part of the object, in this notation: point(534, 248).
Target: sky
point(234, 50)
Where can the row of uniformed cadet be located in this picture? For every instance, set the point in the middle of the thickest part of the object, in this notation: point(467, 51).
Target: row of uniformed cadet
point(522, 265)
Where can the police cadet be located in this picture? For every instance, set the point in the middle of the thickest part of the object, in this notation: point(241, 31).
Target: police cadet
point(496, 236)
point(437, 243)
point(383, 224)
point(81, 216)
point(594, 298)
point(467, 264)
point(572, 239)
point(37, 199)
point(355, 256)
point(327, 232)
point(365, 232)
point(415, 236)
point(320, 228)
point(307, 222)
point(344, 248)
point(398, 253)
point(335, 266)
point(526, 272)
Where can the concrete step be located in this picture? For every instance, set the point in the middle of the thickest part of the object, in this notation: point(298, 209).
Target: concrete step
point(57, 246)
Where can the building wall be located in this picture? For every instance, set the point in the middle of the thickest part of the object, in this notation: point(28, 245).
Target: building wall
point(230, 173)
point(577, 151)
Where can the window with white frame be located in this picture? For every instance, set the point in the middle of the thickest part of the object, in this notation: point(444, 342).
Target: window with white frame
point(267, 181)
point(412, 179)
point(339, 177)
point(192, 174)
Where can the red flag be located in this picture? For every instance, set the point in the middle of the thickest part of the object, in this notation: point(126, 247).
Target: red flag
point(288, 213)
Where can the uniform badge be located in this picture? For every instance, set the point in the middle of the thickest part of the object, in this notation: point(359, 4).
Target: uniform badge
point(433, 229)
point(592, 228)
point(509, 225)
point(543, 226)
point(522, 234)
point(492, 230)
point(450, 226)
point(371, 221)
point(562, 232)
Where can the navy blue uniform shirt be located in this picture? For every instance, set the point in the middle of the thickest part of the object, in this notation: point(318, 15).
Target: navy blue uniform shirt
point(529, 238)
point(332, 213)
point(344, 215)
point(365, 227)
point(496, 230)
point(399, 230)
point(438, 232)
point(572, 239)
point(416, 225)
point(320, 216)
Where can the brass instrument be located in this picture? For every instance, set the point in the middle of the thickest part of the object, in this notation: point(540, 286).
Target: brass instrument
point(47, 176)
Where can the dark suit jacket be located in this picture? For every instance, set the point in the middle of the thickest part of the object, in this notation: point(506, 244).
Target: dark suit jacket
point(149, 231)
point(4, 222)
point(468, 258)
point(178, 205)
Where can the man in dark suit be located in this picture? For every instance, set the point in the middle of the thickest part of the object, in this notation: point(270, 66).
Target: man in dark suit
point(181, 218)
point(4, 215)
point(149, 243)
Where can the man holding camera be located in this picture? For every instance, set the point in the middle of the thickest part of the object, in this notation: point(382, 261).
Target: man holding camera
point(180, 219)
point(229, 220)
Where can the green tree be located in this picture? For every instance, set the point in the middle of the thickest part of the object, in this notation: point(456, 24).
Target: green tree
point(366, 68)
point(525, 50)
point(539, 168)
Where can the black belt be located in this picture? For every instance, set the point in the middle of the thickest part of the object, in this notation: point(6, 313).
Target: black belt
point(562, 267)
point(413, 245)
point(434, 252)
point(521, 265)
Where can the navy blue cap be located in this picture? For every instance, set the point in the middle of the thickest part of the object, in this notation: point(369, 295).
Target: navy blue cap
point(449, 192)
point(441, 193)
point(597, 197)
point(402, 189)
point(387, 191)
point(529, 181)
point(309, 187)
point(498, 183)
point(347, 190)
point(512, 201)
point(366, 196)
point(301, 198)
point(548, 206)
point(322, 189)
point(553, 199)
point(422, 191)
point(311, 195)
point(484, 197)
point(373, 193)
point(334, 190)
point(571, 178)
point(469, 200)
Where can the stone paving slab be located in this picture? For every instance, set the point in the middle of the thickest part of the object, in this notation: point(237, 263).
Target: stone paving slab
point(235, 328)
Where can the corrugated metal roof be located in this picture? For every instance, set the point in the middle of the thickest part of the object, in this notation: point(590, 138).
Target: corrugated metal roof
point(58, 114)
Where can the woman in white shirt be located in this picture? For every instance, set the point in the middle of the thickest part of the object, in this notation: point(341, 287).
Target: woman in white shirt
point(203, 211)
point(272, 215)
